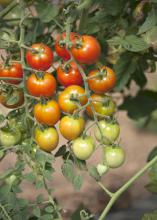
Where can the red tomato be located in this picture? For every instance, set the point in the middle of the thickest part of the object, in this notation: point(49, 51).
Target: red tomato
point(70, 96)
point(89, 50)
point(102, 83)
point(14, 70)
point(48, 113)
point(41, 59)
point(43, 86)
point(60, 46)
point(69, 75)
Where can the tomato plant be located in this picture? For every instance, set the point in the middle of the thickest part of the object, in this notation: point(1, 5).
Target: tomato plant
point(88, 51)
point(114, 156)
point(68, 75)
point(60, 45)
point(12, 71)
point(71, 97)
point(107, 132)
point(83, 147)
point(46, 139)
point(100, 53)
point(39, 57)
point(103, 105)
point(47, 113)
point(71, 127)
point(101, 81)
point(42, 85)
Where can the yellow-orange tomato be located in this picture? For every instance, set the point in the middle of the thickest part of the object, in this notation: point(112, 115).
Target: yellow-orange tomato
point(102, 104)
point(47, 113)
point(71, 127)
point(102, 83)
point(70, 96)
point(47, 139)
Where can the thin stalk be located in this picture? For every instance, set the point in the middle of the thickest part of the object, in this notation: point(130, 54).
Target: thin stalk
point(8, 8)
point(5, 212)
point(119, 192)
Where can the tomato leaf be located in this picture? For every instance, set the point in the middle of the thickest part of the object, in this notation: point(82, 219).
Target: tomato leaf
point(67, 170)
point(47, 12)
point(37, 212)
point(152, 154)
point(94, 173)
point(30, 177)
point(77, 182)
point(49, 209)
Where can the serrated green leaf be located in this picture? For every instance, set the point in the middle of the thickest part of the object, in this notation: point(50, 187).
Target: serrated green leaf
point(40, 198)
point(150, 22)
point(30, 177)
point(124, 68)
point(134, 43)
point(37, 212)
point(77, 182)
point(47, 12)
point(94, 173)
point(39, 184)
point(47, 217)
point(67, 170)
point(47, 174)
point(141, 105)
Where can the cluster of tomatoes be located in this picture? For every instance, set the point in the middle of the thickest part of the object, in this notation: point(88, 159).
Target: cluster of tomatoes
point(68, 106)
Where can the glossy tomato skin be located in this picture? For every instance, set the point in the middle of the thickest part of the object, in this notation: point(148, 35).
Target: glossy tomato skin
point(40, 60)
point(47, 113)
point(14, 70)
point(109, 131)
point(16, 93)
point(114, 157)
point(65, 98)
point(43, 86)
point(71, 127)
point(83, 147)
point(47, 139)
point(60, 47)
point(89, 52)
point(103, 83)
point(102, 104)
point(69, 75)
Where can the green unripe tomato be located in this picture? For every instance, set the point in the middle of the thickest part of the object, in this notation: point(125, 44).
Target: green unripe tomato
point(114, 157)
point(83, 147)
point(10, 138)
point(109, 132)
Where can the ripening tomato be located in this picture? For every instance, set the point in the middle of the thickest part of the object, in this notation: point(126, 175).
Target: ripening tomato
point(60, 46)
point(109, 131)
point(89, 50)
point(83, 147)
point(47, 139)
point(44, 85)
point(71, 127)
point(114, 156)
point(68, 98)
point(68, 75)
point(17, 96)
point(102, 83)
point(47, 113)
point(14, 71)
point(103, 105)
point(40, 58)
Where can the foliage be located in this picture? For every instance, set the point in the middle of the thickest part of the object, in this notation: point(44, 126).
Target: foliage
point(127, 32)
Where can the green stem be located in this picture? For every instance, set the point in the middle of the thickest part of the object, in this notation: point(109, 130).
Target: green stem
point(5, 212)
point(8, 8)
point(110, 194)
point(117, 194)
